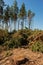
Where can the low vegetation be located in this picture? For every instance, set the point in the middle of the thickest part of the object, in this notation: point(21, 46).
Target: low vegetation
point(37, 47)
point(21, 38)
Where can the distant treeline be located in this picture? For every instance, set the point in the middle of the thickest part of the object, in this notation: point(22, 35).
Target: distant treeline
point(12, 14)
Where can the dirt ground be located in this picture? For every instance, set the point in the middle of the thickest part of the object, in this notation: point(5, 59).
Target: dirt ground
point(21, 56)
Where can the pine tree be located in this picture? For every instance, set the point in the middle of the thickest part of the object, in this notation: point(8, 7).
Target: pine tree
point(15, 13)
point(6, 17)
point(1, 11)
point(22, 15)
point(30, 16)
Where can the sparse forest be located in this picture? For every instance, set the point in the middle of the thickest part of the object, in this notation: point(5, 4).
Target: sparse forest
point(19, 43)
point(16, 15)
point(21, 35)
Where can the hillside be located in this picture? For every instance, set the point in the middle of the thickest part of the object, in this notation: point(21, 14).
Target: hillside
point(23, 47)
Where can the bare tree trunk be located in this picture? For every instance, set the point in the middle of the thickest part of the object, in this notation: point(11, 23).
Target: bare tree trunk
point(0, 23)
point(25, 23)
point(6, 26)
point(22, 24)
point(14, 25)
point(29, 24)
point(10, 24)
point(18, 24)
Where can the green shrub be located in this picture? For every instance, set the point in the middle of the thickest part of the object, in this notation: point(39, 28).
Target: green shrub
point(8, 53)
point(14, 43)
point(9, 44)
point(3, 36)
point(21, 37)
point(38, 46)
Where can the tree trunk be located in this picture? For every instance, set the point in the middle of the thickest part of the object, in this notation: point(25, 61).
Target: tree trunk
point(29, 24)
point(22, 24)
point(6, 26)
point(14, 25)
point(25, 23)
point(3, 24)
point(10, 24)
point(18, 24)
point(0, 23)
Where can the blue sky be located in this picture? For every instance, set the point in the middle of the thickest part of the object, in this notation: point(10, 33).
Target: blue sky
point(36, 6)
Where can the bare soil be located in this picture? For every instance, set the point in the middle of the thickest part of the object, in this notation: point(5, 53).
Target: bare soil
point(21, 56)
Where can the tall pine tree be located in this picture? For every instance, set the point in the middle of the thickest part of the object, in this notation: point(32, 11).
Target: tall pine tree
point(22, 15)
